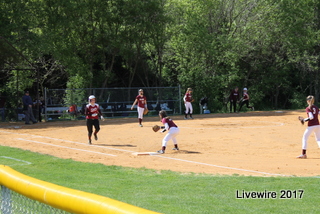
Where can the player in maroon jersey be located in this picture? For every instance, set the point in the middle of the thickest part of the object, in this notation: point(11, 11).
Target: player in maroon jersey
point(245, 100)
point(173, 131)
point(93, 112)
point(234, 99)
point(142, 104)
point(187, 103)
point(313, 125)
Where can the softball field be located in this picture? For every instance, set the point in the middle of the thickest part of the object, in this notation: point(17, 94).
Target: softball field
point(252, 143)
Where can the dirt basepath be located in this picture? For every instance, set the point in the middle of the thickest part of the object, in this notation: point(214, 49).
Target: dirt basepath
point(251, 143)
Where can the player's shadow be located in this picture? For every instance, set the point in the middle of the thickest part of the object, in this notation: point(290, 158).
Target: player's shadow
point(188, 152)
point(118, 145)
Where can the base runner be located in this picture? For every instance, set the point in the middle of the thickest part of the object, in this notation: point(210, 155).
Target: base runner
point(245, 100)
point(93, 112)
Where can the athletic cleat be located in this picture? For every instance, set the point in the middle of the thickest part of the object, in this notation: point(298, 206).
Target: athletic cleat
point(95, 137)
point(141, 125)
point(175, 148)
point(89, 142)
point(302, 157)
point(185, 118)
point(191, 118)
point(160, 151)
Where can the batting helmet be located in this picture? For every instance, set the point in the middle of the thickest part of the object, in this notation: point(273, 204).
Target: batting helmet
point(92, 97)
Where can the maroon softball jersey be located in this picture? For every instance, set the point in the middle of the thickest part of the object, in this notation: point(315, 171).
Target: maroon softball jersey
point(315, 111)
point(169, 121)
point(92, 112)
point(188, 97)
point(141, 101)
point(234, 95)
point(245, 96)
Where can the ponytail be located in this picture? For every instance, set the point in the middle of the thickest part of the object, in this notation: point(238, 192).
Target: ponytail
point(188, 89)
point(310, 98)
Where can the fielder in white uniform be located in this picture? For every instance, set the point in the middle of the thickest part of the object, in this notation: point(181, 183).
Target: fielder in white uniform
point(173, 131)
point(187, 103)
point(313, 126)
point(142, 104)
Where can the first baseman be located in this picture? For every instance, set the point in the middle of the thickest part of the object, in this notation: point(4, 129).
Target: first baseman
point(93, 112)
point(173, 131)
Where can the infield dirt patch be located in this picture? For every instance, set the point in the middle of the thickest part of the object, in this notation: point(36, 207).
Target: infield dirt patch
point(251, 143)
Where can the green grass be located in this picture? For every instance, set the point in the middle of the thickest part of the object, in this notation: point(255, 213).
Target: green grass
point(167, 191)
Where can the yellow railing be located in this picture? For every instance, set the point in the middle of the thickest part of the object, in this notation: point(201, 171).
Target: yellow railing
point(70, 200)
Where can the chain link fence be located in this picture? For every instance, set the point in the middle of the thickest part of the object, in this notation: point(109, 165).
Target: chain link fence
point(113, 101)
point(15, 203)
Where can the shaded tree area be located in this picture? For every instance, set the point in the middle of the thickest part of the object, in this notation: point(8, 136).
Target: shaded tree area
point(271, 47)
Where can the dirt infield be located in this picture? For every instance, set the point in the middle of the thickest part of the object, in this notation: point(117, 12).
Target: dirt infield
point(251, 143)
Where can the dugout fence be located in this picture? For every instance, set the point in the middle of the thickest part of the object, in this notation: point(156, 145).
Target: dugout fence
point(114, 102)
point(20, 193)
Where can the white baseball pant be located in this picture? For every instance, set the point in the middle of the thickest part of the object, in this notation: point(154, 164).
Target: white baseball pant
point(172, 134)
point(308, 132)
point(140, 112)
point(188, 108)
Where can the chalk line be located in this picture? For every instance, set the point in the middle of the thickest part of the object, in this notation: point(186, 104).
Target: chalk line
point(223, 167)
point(27, 162)
point(159, 156)
point(66, 147)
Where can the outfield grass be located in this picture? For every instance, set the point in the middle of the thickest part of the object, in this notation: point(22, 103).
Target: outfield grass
point(167, 191)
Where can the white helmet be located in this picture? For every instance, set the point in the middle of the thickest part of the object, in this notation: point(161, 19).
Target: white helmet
point(92, 97)
point(245, 89)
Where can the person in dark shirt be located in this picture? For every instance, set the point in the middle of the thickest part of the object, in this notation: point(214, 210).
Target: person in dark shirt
point(27, 107)
point(234, 99)
point(93, 112)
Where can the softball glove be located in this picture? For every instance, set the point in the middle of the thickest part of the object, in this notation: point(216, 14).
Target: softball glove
point(301, 120)
point(156, 128)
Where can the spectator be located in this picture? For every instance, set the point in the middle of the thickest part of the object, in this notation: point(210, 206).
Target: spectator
point(38, 106)
point(2, 109)
point(73, 110)
point(234, 99)
point(203, 104)
point(27, 107)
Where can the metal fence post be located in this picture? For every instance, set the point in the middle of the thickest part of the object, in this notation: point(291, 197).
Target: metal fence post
point(45, 104)
point(6, 206)
point(179, 86)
